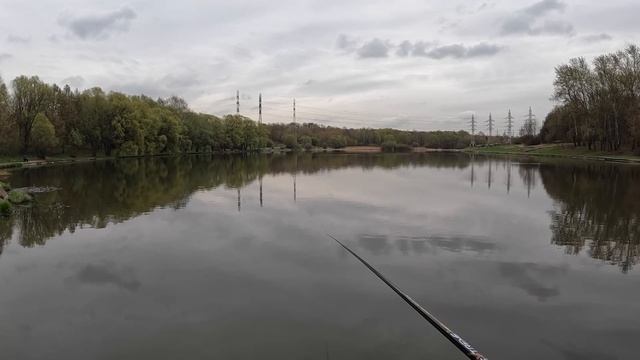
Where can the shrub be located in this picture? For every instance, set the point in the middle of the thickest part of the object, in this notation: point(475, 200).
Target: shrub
point(5, 208)
point(391, 146)
point(388, 146)
point(290, 141)
point(5, 186)
point(128, 148)
point(19, 197)
point(530, 140)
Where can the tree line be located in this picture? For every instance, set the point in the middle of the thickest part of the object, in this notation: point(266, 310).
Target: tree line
point(38, 118)
point(599, 103)
point(41, 119)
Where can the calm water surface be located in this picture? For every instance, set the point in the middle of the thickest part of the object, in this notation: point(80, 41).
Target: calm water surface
point(227, 258)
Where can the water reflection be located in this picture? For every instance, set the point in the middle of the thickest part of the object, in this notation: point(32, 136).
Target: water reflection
point(596, 208)
point(532, 278)
point(107, 273)
point(418, 245)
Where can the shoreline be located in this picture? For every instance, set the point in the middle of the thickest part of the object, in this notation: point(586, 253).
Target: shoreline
point(543, 150)
point(556, 151)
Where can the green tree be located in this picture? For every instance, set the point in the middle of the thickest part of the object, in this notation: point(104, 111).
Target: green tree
point(30, 97)
point(5, 133)
point(43, 135)
point(4, 101)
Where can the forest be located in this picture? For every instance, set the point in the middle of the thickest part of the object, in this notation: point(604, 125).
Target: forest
point(40, 119)
point(598, 104)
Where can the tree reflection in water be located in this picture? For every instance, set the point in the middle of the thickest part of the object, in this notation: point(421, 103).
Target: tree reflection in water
point(596, 207)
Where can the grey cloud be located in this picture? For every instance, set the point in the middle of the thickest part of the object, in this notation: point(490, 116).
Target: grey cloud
point(427, 49)
point(460, 51)
point(525, 20)
point(455, 50)
point(18, 39)
point(543, 7)
point(99, 26)
point(5, 56)
point(404, 49)
point(596, 38)
point(344, 42)
point(483, 49)
point(375, 48)
point(517, 25)
point(420, 48)
point(554, 28)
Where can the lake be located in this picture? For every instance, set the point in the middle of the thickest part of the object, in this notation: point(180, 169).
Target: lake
point(227, 257)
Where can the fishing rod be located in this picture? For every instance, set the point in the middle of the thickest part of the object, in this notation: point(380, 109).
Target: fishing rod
point(459, 342)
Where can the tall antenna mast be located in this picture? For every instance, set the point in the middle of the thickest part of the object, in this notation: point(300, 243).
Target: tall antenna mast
point(238, 102)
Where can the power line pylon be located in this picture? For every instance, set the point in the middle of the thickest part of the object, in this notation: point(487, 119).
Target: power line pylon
point(510, 126)
point(260, 109)
point(238, 102)
point(473, 130)
point(490, 127)
point(295, 125)
point(530, 124)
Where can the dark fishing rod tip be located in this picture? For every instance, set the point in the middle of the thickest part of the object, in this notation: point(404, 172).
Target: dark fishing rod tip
point(455, 339)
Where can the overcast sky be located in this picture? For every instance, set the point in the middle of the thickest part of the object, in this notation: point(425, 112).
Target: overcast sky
point(415, 64)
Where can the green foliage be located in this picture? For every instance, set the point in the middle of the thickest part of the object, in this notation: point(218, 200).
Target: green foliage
point(30, 97)
point(76, 141)
point(5, 208)
point(43, 135)
point(19, 197)
point(5, 186)
point(599, 104)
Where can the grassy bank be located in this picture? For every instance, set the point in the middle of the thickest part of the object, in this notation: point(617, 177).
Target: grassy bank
point(557, 150)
